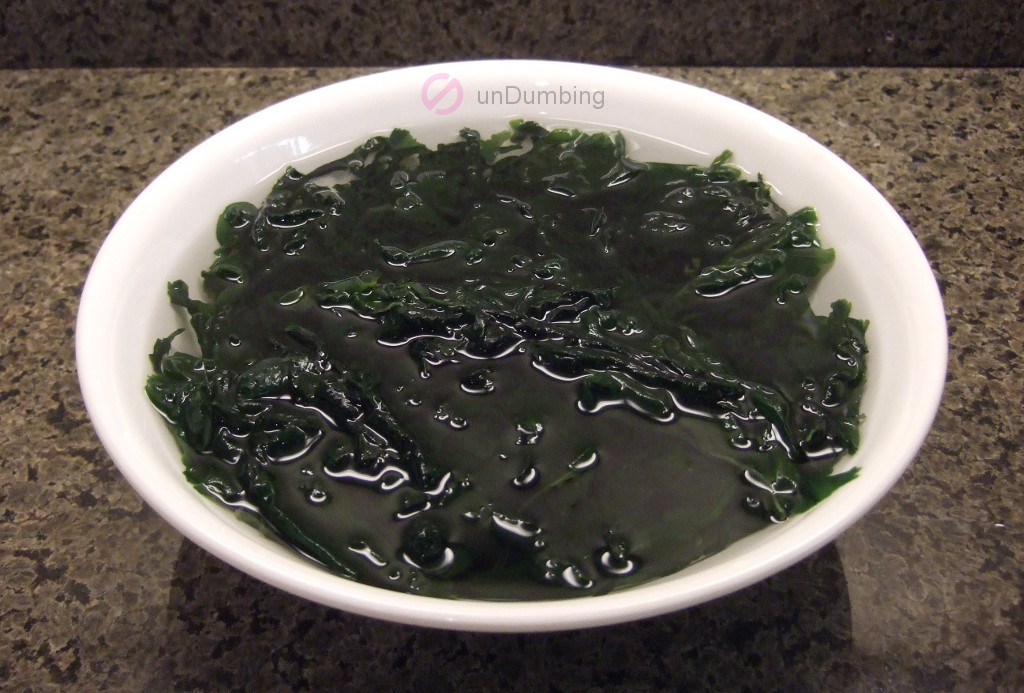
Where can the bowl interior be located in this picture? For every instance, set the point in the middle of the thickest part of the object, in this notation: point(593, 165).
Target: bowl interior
point(167, 234)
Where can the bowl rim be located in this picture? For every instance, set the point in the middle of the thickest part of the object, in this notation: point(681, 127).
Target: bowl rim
point(93, 337)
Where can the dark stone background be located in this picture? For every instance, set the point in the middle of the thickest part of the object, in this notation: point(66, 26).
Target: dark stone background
point(166, 33)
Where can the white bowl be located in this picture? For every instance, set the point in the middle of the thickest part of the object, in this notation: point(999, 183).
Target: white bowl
point(167, 233)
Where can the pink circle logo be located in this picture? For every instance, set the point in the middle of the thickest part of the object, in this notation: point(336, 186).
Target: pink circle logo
point(433, 98)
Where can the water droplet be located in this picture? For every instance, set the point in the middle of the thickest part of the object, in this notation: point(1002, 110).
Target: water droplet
point(442, 488)
point(411, 509)
point(526, 478)
point(523, 529)
point(396, 257)
point(568, 574)
point(317, 496)
point(529, 432)
point(615, 565)
point(399, 180)
point(381, 475)
point(444, 415)
point(784, 485)
point(478, 382)
point(585, 460)
point(363, 549)
point(443, 562)
point(665, 223)
point(615, 559)
point(408, 202)
point(291, 298)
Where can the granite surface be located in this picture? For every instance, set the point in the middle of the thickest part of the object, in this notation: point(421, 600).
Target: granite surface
point(157, 33)
point(926, 593)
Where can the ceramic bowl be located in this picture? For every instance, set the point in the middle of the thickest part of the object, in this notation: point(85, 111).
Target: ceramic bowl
point(167, 233)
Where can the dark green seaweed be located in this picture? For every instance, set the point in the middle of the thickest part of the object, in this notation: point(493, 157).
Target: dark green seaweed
point(525, 366)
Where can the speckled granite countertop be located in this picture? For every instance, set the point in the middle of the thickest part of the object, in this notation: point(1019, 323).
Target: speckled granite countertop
point(925, 593)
